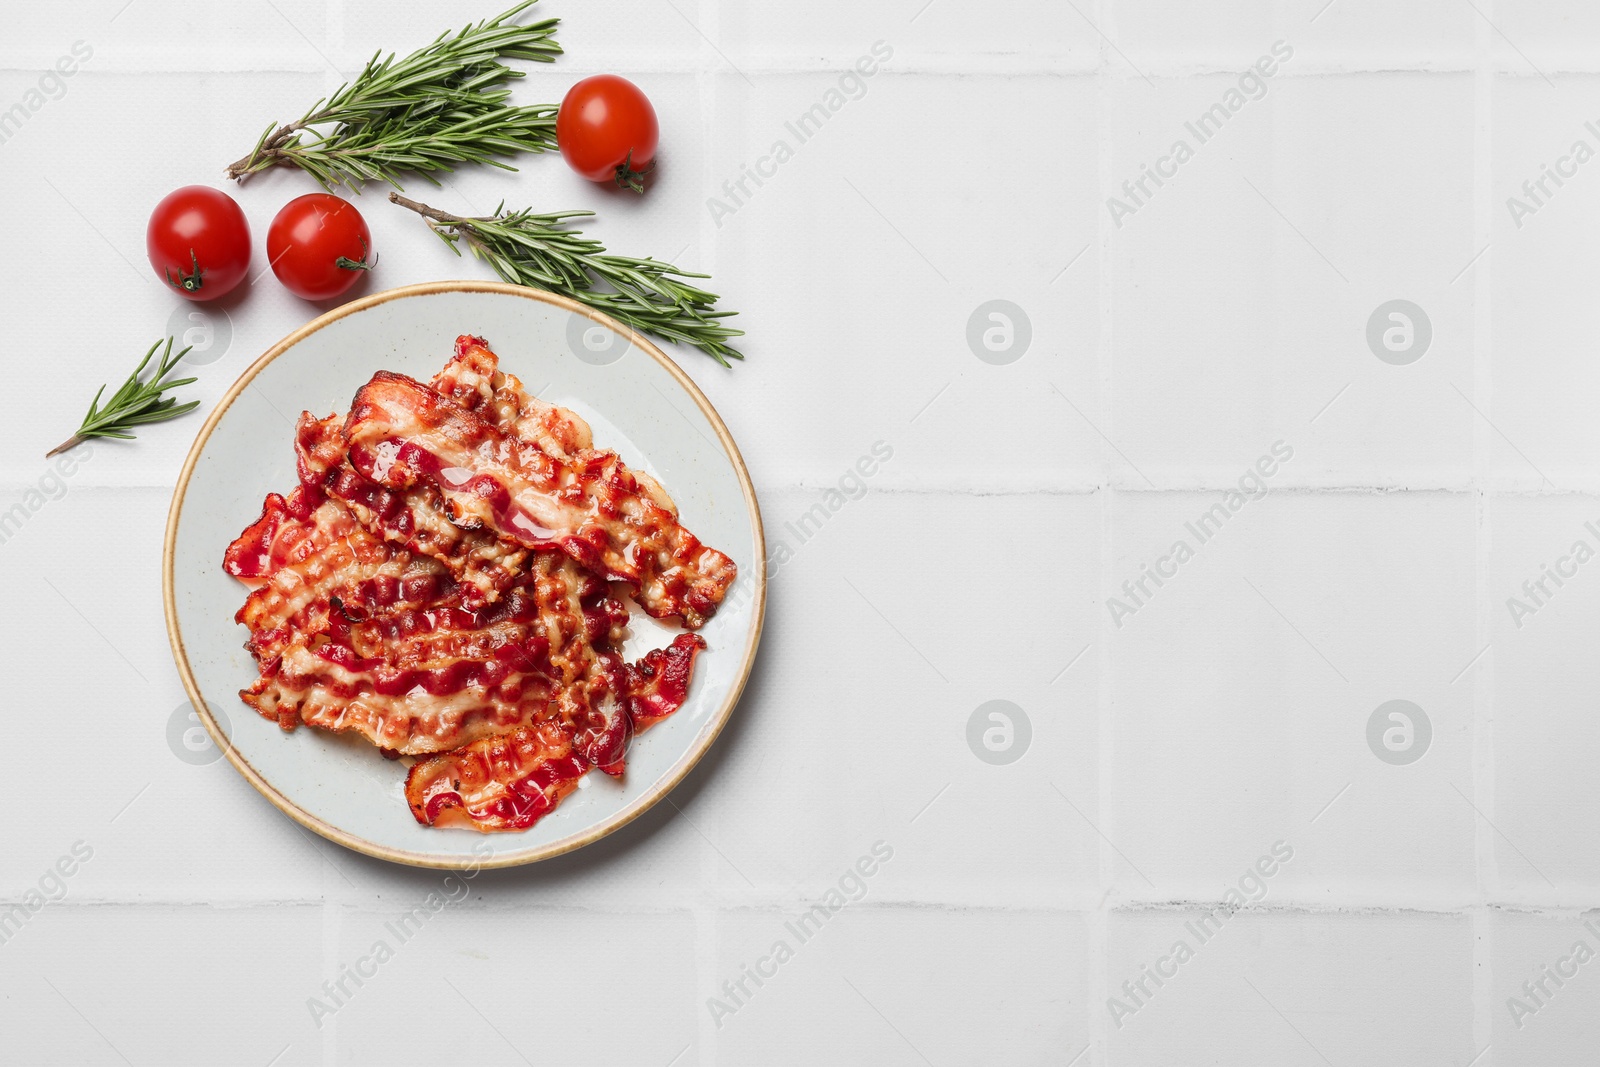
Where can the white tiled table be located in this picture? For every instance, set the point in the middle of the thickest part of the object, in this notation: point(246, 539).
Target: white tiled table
point(1171, 347)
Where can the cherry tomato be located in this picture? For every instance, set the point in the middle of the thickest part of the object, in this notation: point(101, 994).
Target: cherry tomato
point(607, 131)
point(319, 245)
point(198, 242)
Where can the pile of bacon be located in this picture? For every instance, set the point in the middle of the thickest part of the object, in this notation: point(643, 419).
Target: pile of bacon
point(440, 582)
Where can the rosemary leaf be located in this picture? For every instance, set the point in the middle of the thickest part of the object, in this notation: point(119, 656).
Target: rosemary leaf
point(444, 105)
point(137, 403)
point(543, 252)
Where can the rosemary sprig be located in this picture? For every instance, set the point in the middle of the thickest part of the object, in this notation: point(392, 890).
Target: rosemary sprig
point(443, 105)
point(135, 404)
point(542, 251)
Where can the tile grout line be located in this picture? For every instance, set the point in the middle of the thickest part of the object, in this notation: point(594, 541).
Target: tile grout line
point(329, 1030)
point(1099, 921)
point(705, 966)
point(1482, 690)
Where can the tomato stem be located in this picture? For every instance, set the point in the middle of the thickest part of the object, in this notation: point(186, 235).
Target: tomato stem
point(628, 178)
point(189, 283)
point(346, 263)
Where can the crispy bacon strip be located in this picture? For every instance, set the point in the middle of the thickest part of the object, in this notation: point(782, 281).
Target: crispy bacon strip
point(598, 715)
point(501, 783)
point(512, 781)
point(417, 680)
point(400, 674)
point(658, 684)
point(426, 677)
point(308, 554)
point(273, 540)
point(474, 380)
point(590, 506)
point(417, 518)
point(412, 724)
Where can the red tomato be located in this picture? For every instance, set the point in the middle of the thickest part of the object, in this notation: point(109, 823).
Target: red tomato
point(319, 245)
point(199, 242)
point(607, 131)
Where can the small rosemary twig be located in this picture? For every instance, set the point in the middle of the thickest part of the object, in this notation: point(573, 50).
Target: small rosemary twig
point(136, 403)
point(543, 252)
point(443, 105)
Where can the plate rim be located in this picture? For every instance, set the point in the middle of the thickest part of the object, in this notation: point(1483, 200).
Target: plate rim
point(637, 807)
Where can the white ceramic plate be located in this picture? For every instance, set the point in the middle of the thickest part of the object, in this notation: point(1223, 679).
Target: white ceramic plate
point(640, 405)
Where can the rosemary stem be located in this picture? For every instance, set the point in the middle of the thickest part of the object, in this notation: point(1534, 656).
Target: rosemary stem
point(72, 442)
point(240, 169)
point(428, 212)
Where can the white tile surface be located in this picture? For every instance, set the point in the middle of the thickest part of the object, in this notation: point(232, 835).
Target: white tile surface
point(1294, 989)
point(853, 971)
point(1168, 353)
point(1542, 1023)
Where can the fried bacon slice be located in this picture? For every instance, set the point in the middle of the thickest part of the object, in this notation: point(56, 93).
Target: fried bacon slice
point(408, 664)
point(511, 781)
point(474, 380)
point(417, 518)
point(500, 783)
point(273, 540)
point(419, 679)
point(355, 634)
point(659, 683)
point(402, 434)
point(309, 551)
